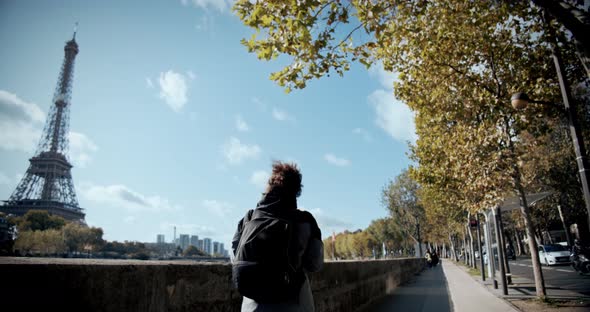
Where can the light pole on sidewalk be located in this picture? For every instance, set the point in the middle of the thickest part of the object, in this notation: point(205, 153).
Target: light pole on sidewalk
point(490, 250)
point(501, 263)
point(479, 249)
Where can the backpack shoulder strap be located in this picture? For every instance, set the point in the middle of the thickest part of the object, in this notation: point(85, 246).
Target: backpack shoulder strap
point(249, 215)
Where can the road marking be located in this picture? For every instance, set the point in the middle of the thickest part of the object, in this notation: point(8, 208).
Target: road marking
point(560, 270)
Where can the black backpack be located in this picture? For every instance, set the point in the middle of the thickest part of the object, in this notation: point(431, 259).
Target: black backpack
point(262, 268)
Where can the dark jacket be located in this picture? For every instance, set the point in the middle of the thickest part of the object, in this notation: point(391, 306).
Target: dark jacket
point(308, 254)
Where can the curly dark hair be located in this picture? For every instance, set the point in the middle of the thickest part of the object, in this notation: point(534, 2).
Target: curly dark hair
point(285, 179)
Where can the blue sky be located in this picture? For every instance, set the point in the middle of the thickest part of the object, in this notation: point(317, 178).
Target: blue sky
point(173, 123)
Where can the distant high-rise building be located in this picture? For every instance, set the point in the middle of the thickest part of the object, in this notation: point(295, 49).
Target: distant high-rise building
point(200, 245)
point(207, 245)
point(216, 248)
point(160, 239)
point(221, 249)
point(195, 240)
point(184, 241)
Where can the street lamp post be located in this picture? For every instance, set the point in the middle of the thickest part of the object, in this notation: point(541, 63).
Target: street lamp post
point(520, 101)
point(501, 263)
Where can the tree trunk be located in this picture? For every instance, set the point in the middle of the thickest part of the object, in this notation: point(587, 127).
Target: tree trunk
point(453, 251)
point(539, 236)
point(526, 214)
point(517, 243)
point(464, 249)
point(472, 247)
point(525, 237)
point(509, 240)
point(565, 229)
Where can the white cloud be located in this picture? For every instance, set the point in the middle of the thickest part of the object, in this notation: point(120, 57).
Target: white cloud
point(260, 179)
point(259, 104)
point(21, 126)
point(363, 133)
point(241, 125)
point(204, 23)
point(220, 5)
point(149, 82)
point(393, 116)
point(173, 89)
point(191, 75)
point(281, 115)
point(327, 222)
point(385, 78)
point(80, 148)
point(235, 152)
point(18, 135)
point(120, 196)
point(186, 228)
point(341, 162)
point(221, 209)
point(16, 108)
point(20, 123)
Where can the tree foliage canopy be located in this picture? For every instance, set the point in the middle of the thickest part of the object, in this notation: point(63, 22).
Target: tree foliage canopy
point(400, 197)
point(458, 63)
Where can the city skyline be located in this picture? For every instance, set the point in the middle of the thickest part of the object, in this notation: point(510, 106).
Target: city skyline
point(175, 124)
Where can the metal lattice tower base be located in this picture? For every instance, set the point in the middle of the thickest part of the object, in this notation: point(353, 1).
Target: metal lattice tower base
point(47, 184)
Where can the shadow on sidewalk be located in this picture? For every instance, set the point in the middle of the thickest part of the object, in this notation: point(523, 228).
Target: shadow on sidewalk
point(426, 292)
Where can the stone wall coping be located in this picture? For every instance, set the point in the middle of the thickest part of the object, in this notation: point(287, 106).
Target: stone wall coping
point(86, 261)
point(94, 261)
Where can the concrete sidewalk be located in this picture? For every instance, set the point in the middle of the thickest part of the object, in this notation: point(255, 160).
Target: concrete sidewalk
point(426, 292)
point(469, 295)
point(443, 288)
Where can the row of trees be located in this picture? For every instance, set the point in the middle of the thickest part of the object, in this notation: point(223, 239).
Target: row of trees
point(39, 233)
point(458, 63)
point(381, 239)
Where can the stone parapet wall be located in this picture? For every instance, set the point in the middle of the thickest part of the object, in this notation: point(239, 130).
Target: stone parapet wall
point(131, 285)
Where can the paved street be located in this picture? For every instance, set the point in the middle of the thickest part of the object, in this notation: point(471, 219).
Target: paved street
point(562, 276)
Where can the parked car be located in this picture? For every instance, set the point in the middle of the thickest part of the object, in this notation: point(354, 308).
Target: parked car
point(553, 254)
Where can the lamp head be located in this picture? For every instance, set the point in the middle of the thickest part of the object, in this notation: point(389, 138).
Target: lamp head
point(519, 100)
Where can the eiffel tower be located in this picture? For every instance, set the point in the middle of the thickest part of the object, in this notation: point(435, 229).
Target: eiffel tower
point(47, 184)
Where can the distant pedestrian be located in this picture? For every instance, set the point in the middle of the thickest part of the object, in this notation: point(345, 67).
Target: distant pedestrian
point(428, 257)
point(434, 257)
point(275, 245)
